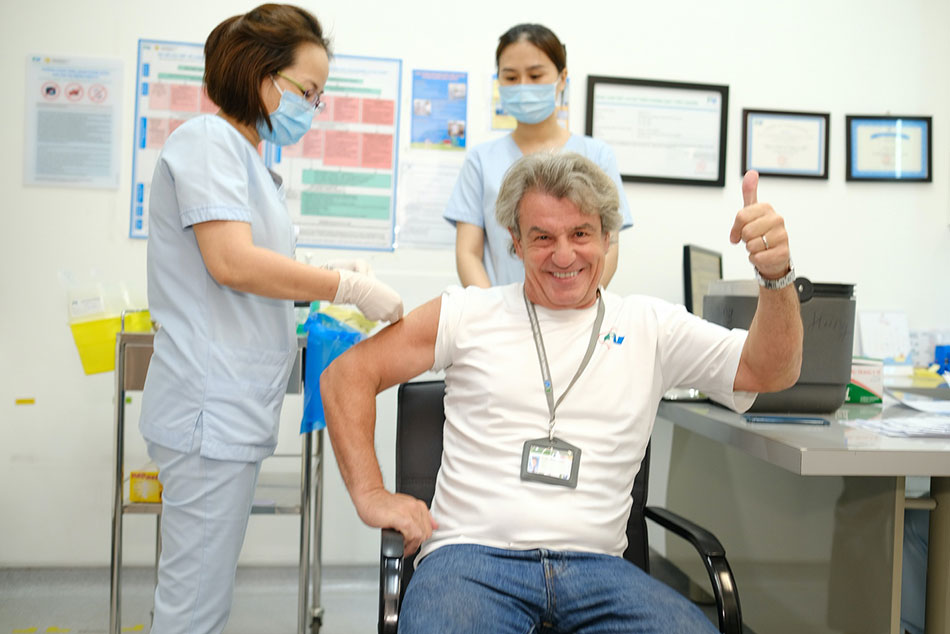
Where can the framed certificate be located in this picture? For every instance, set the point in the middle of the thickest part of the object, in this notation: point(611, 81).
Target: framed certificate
point(889, 148)
point(784, 143)
point(661, 131)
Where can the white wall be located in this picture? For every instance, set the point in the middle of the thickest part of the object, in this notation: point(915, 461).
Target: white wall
point(840, 57)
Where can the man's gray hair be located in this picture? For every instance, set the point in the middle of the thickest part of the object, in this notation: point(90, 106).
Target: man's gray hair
point(561, 175)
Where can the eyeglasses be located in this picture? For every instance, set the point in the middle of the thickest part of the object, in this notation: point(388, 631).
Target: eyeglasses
point(312, 95)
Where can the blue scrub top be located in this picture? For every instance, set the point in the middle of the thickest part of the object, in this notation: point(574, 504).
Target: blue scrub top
point(473, 199)
point(222, 358)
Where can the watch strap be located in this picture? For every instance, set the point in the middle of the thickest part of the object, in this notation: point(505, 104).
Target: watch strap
point(777, 284)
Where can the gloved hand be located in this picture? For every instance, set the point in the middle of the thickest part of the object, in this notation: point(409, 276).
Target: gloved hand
point(376, 300)
point(357, 265)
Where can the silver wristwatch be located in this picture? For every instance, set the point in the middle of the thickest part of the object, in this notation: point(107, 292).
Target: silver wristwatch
point(782, 282)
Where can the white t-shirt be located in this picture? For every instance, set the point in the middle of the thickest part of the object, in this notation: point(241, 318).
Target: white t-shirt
point(494, 402)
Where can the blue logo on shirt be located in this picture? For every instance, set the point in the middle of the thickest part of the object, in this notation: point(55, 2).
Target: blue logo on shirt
point(611, 337)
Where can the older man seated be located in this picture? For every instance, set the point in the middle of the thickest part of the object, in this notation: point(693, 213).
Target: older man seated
point(552, 388)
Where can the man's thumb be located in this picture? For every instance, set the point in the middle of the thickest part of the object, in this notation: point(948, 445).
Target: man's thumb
point(750, 183)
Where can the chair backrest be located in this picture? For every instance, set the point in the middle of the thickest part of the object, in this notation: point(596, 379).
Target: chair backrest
point(420, 417)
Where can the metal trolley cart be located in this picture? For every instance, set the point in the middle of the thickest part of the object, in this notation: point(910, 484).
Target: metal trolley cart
point(284, 495)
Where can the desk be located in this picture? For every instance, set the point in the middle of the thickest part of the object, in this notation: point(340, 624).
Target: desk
point(840, 525)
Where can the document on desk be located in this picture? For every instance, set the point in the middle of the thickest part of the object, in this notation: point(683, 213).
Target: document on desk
point(920, 426)
point(922, 403)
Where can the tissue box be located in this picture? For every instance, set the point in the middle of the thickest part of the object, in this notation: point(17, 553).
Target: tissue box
point(867, 381)
point(144, 485)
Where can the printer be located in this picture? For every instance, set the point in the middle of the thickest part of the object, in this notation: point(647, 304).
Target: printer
point(828, 318)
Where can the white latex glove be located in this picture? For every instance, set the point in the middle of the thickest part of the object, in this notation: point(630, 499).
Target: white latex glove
point(376, 300)
point(357, 265)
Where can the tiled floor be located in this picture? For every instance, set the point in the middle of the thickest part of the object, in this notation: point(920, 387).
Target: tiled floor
point(77, 600)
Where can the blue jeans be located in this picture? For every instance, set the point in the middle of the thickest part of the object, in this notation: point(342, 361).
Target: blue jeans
point(468, 588)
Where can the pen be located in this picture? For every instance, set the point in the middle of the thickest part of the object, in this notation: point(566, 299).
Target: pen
point(788, 420)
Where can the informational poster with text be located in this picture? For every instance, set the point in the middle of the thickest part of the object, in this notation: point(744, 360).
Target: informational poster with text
point(169, 90)
point(425, 185)
point(439, 100)
point(73, 119)
point(340, 179)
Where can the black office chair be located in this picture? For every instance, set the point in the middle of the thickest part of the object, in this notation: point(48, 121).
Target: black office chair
point(419, 421)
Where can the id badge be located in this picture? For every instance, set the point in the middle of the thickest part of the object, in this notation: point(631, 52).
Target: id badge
point(551, 462)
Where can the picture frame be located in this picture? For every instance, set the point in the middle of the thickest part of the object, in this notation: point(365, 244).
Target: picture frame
point(661, 131)
point(889, 148)
point(785, 143)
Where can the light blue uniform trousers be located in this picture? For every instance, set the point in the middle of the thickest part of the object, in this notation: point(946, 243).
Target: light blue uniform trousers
point(205, 508)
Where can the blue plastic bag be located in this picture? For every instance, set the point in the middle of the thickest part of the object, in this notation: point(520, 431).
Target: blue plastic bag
point(327, 338)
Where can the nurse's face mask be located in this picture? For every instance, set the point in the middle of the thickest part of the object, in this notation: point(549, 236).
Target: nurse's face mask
point(290, 121)
point(529, 103)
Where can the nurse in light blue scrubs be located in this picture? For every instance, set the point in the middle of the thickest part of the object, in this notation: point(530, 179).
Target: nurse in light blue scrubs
point(221, 283)
point(532, 72)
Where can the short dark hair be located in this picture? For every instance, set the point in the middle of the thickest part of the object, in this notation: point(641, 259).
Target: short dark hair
point(244, 49)
point(539, 35)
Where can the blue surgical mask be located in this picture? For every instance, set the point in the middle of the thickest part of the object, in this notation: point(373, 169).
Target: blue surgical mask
point(290, 121)
point(529, 103)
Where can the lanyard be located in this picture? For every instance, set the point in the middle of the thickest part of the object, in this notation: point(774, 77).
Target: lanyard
point(543, 359)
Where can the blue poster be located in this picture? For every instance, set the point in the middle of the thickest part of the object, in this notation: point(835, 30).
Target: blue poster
point(439, 107)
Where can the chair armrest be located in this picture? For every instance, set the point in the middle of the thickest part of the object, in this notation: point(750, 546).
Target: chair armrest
point(390, 580)
point(392, 543)
point(714, 558)
point(701, 539)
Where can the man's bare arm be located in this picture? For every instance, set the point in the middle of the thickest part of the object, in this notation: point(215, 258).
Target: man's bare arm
point(772, 356)
point(349, 388)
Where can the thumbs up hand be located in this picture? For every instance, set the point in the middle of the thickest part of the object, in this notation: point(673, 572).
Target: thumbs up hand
point(762, 230)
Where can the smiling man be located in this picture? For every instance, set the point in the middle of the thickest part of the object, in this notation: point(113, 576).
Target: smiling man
point(552, 388)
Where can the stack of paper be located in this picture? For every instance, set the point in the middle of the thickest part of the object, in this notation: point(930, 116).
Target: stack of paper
point(905, 426)
point(922, 402)
point(934, 421)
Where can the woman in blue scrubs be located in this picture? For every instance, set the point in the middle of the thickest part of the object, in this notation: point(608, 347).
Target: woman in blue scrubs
point(221, 282)
point(532, 73)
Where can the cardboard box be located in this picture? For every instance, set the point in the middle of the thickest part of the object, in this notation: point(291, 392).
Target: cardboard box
point(867, 381)
point(144, 485)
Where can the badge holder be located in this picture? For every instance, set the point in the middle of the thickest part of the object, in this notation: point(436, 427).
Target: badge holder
point(551, 461)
